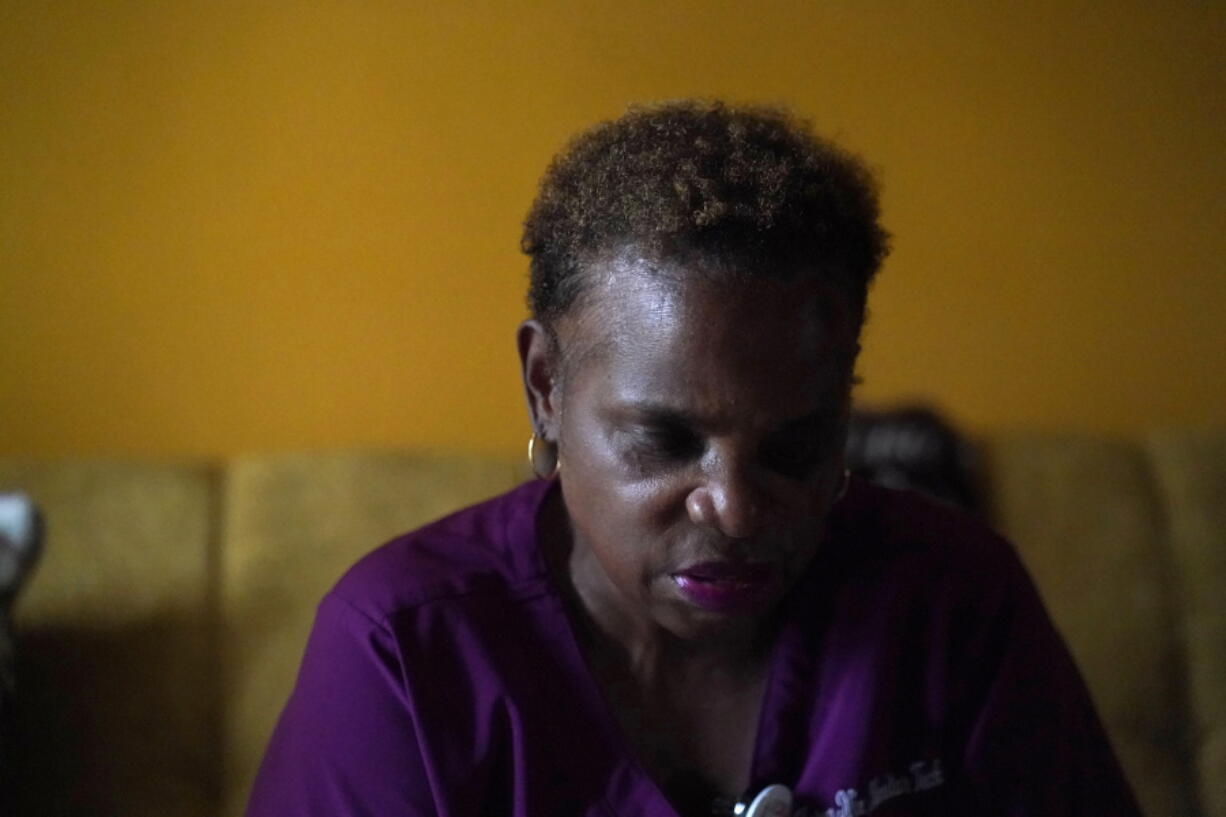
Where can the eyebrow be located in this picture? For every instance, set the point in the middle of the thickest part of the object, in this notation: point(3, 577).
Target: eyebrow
point(663, 412)
point(671, 415)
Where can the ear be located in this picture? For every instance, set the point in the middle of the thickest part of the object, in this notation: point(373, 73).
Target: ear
point(539, 364)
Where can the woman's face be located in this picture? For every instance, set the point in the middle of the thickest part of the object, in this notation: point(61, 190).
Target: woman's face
point(700, 423)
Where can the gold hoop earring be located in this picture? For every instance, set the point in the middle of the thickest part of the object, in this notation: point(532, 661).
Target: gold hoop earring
point(843, 487)
point(543, 459)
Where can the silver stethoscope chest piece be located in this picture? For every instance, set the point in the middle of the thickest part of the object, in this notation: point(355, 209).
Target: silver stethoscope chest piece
point(773, 801)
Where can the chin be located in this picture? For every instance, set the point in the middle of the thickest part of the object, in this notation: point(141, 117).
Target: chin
point(690, 622)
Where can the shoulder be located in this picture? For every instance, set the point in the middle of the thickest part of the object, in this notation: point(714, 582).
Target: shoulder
point(930, 547)
point(901, 518)
point(483, 550)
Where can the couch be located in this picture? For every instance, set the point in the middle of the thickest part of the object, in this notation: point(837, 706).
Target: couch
point(160, 635)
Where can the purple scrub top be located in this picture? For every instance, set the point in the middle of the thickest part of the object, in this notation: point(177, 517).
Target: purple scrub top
point(916, 674)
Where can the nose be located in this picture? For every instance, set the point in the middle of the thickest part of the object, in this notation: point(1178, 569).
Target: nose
point(729, 501)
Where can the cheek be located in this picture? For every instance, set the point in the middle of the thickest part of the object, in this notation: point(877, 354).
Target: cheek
point(629, 521)
point(638, 512)
point(613, 488)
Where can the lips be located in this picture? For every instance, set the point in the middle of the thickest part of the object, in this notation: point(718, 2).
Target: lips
point(725, 587)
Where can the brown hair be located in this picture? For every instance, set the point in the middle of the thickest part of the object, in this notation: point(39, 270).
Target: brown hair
point(751, 186)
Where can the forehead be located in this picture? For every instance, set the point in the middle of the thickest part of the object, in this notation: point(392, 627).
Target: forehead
point(708, 335)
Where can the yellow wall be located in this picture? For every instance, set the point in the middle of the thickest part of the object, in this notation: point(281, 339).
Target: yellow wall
point(256, 225)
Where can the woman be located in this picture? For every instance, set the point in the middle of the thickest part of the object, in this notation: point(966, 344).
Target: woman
point(694, 609)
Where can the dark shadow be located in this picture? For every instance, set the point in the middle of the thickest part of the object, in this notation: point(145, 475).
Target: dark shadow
point(120, 721)
point(914, 448)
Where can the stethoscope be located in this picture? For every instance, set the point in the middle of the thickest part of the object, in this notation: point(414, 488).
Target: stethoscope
point(773, 801)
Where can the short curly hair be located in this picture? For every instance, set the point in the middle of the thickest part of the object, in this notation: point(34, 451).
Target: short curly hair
point(750, 186)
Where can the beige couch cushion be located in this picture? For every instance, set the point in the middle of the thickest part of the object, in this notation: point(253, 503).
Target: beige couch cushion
point(1192, 477)
point(117, 710)
point(1085, 517)
point(293, 524)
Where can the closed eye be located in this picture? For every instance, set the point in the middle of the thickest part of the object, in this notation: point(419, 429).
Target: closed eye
point(798, 451)
point(667, 442)
point(797, 461)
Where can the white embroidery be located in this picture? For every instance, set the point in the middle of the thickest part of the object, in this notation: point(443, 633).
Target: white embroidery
point(886, 787)
point(921, 775)
point(927, 775)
